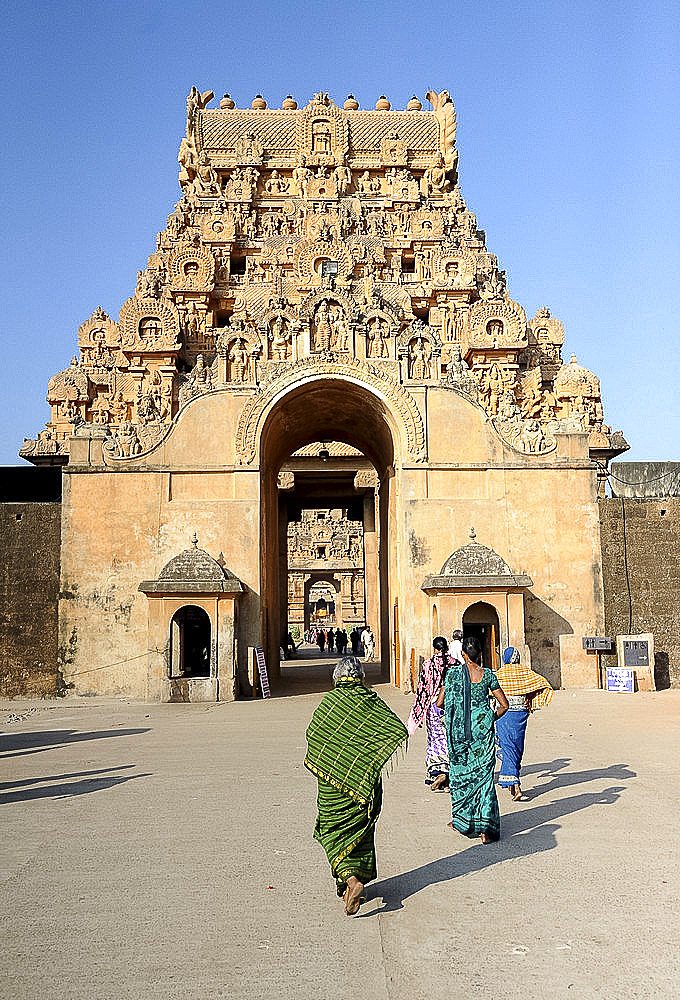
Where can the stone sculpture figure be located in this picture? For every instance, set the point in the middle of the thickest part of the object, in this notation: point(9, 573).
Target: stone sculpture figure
point(376, 335)
point(419, 361)
point(280, 338)
point(238, 357)
point(322, 335)
point(339, 330)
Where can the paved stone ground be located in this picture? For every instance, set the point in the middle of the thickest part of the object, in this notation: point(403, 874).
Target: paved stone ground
point(165, 851)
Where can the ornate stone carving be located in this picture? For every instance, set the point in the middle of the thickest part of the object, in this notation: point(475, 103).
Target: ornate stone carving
point(453, 268)
point(197, 382)
point(322, 135)
point(372, 376)
point(70, 385)
point(191, 268)
point(497, 323)
point(149, 325)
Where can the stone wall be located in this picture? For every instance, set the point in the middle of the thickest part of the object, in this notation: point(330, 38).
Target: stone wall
point(640, 541)
point(30, 546)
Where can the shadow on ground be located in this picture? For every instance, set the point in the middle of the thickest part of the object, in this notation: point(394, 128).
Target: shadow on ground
point(525, 832)
point(62, 787)
point(19, 743)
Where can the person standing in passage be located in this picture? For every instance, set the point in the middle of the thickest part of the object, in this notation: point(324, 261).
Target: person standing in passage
point(431, 678)
point(456, 646)
point(331, 640)
point(341, 641)
point(321, 641)
point(354, 637)
point(368, 642)
point(350, 738)
point(469, 723)
point(526, 691)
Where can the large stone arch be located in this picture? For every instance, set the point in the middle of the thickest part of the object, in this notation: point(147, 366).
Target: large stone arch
point(398, 403)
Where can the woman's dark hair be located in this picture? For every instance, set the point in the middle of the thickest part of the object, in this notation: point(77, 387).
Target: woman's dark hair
point(473, 648)
point(440, 644)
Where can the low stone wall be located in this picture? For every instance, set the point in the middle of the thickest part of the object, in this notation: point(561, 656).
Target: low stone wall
point(641, 573)
point(30, 548)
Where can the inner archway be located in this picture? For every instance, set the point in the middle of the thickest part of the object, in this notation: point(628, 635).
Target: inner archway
point(303, 466)
point(481, 620)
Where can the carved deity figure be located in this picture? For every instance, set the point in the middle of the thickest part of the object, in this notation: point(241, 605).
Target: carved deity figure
point(376, 338)
point(322, 335)
point(339, 330)
point(301, 176)
point(280, 338)
point(420, 366)
point(343, 176)
point(491, 389)
point(434, 179)
point(367, 185)
point(238, 361)
point(127, 441)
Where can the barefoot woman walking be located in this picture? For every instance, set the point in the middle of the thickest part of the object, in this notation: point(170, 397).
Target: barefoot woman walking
point(351, 737)
point(469, 722)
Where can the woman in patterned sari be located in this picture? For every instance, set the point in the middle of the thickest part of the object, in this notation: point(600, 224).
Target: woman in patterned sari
point(526, 691)
point(351, 737)
point(429, 684)
point(469, 722)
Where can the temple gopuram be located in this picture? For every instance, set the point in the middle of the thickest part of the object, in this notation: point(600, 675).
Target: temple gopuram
point(321, 327)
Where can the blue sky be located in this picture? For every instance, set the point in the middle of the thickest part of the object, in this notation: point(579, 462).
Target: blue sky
point(568, 132)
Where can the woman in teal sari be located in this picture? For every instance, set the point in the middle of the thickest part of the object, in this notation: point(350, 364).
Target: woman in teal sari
point(469, 723)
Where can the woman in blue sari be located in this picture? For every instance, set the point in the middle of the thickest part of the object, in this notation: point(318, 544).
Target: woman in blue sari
point(469, 723)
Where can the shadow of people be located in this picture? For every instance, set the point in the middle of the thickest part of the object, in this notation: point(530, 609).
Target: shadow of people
point(61, 787)
point(38, 740)
point(615, 772)
point(525, 833)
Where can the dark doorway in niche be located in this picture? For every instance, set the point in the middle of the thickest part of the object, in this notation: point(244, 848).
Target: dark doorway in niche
point(190, 642)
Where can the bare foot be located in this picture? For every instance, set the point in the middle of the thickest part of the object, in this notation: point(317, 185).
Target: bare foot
point(438, 783)
point(516, 793)
point(484, 839)
point(353, 895)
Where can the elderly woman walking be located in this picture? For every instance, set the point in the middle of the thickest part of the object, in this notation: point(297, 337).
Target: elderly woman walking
point(350, 738)
point(526, 691)
point(469, 722)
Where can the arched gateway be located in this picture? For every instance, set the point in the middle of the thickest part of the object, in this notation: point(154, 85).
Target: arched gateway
point(321, 327)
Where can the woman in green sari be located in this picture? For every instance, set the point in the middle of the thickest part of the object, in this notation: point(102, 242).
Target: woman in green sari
point(351, 737)
point(469, 723)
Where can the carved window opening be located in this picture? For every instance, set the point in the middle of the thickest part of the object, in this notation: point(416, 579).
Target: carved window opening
point(237, 264)
point(494, 328)
point(221, 319)
point(190, 641)
point(190, 268)
point(150, 328)
point(321, 137)
point(408, 265)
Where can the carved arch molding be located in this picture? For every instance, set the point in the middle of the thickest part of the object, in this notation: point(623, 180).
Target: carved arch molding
point(399, 401)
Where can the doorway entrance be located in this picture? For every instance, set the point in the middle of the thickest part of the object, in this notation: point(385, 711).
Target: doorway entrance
point(481, 620)
point(320, 418)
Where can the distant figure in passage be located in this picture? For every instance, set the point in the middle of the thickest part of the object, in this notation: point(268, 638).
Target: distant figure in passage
point(330, 638)
point(469, 723)
point(430, 682)
point(351, 737)
point(354, 637)
point(321, 641)
point(526, 691)
point(368, 642)
point(456, 645)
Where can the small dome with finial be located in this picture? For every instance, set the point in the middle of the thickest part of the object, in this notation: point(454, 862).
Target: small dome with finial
point(414, 104)
point(289, 103)
point(259, 103)
point(226, 103)
point(351, 104)
point(382, 104)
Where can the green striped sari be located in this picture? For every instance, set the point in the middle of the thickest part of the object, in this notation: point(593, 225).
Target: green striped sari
point(351, 737)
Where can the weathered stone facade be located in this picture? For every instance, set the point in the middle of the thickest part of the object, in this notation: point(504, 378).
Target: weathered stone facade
point(640, 537)
point(30, 543)
point(322, 278)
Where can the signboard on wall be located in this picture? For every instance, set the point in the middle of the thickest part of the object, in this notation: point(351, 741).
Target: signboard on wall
point(597, 644)
point(636, 652)
point(621, 680)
